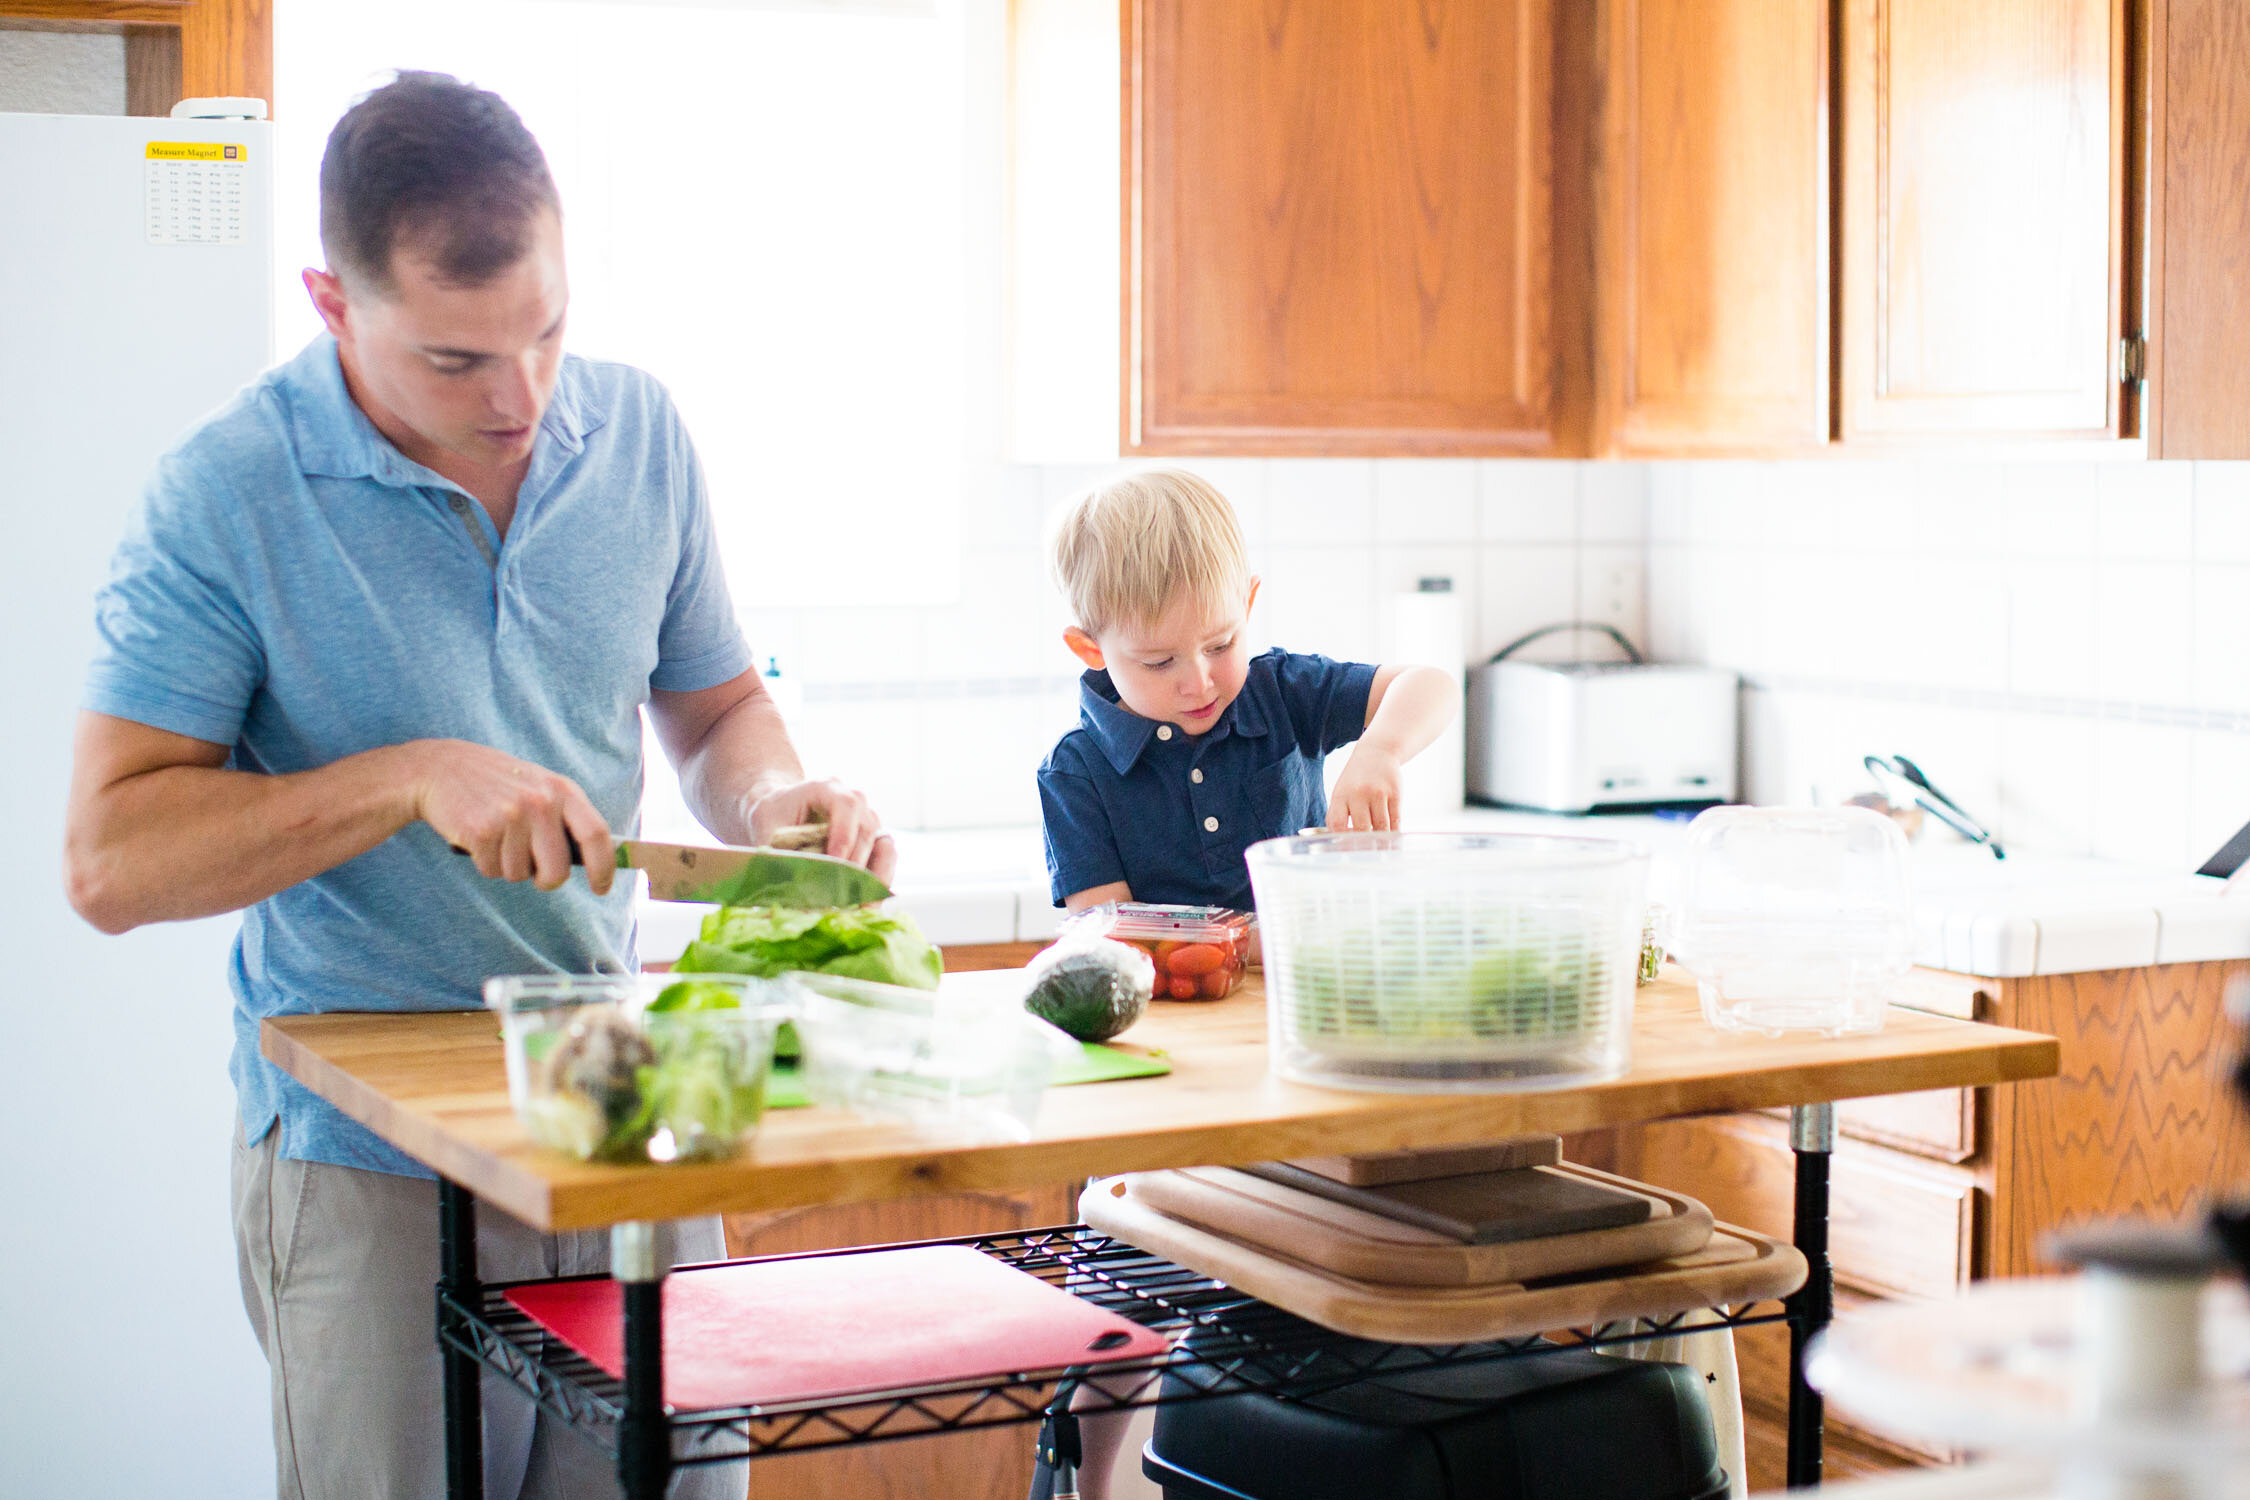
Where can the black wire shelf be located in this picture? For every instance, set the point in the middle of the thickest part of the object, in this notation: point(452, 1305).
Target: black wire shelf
point(1224, 1344)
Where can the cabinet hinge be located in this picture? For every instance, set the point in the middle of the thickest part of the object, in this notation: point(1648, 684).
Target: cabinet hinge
point(2132, 359)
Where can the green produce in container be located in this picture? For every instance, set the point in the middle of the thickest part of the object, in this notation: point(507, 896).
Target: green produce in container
point(684, 1084)
point(1519, 985)
point(1093, 990)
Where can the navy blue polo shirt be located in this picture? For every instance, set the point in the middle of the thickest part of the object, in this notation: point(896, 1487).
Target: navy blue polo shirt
point(1169, 813)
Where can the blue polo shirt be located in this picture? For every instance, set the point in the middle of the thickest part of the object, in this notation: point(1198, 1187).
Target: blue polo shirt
point(296, 589)
point(1169, 813)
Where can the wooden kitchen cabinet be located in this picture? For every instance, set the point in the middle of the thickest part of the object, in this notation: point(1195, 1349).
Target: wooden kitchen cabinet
point(1712, 286)
point(1355, 226)
point(1984, 240)
point(174, 49)
point(2199, 228)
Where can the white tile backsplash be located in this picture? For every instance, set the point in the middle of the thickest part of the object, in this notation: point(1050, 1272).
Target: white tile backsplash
point(1327, 502)
point(2140, 792)
point(1425, 500)
point(1531, 500)
point(1321, 599)
point(2144, 630)
point(2065, 647)
point(2222, 637)
point(1613, 503)
point(1613, 588)
point(2147, 510)
point(1519, 589)
point(2222, 512)
point(2053, 509)
point(1960, 509)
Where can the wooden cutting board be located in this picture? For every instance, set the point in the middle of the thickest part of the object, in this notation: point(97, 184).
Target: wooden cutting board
point(1378, 1168)
point(1364, 1246)
point(1483, 1208)
point(1734, 1267)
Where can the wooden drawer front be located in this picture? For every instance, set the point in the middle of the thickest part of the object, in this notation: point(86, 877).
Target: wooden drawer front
point(1938, 1123)
point(1896, 1224)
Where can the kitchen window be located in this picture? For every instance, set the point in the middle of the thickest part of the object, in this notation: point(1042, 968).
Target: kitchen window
point(787, 212)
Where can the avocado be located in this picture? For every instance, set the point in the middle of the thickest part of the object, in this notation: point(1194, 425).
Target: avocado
point(1091, 990)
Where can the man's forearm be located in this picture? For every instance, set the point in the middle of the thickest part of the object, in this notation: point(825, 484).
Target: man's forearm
point(742, 757)
point(178, 841)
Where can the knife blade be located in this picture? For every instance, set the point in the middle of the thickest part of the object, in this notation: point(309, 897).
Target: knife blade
point(748, 877)
point(708, 874)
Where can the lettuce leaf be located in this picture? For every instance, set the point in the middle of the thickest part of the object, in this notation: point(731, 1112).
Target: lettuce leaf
point(860, 942)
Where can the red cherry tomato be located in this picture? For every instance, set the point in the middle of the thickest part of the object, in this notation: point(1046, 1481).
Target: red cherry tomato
point(1217, 983)
point(1183, 989)
point(1194, 960)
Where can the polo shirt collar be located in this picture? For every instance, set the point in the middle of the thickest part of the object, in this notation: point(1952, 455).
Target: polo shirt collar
point(1124, 735)
point(1121, 733)
point(336, 439)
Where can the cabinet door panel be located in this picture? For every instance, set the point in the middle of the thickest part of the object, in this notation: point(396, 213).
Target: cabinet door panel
point(1338, 224)
point(1982, 192)
point(1714, 302)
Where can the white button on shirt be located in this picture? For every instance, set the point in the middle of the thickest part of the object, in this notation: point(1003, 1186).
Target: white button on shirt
point(1210, 825)
point(1163, 731)
point(1196, 776)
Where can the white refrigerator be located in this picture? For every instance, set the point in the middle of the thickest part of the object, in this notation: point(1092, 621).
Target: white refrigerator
point(136, 296)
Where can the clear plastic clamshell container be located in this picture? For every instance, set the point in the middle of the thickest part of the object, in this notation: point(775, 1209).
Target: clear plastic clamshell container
point(1200, 952)
point(1449, 961)
point(964, 1062)
point(638, 1067)
point(1795, 919)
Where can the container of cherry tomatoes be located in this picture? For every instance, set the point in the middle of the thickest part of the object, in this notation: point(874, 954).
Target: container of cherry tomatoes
point(1200, 951)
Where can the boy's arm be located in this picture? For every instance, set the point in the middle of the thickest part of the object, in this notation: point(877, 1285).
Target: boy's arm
point(1407, 708)
point(1116, 890)
point(1082, 856)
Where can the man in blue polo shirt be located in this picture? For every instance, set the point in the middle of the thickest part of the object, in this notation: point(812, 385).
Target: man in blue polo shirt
point(411, 590)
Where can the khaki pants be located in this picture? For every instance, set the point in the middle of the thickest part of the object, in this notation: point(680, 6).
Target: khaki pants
point(339, 1269)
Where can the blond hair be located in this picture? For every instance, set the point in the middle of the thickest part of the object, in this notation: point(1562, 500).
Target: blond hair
point(1124, 552)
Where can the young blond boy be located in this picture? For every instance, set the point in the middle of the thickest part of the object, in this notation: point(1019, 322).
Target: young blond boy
point(1189, 749)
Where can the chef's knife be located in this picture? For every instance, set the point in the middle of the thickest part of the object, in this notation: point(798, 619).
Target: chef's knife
point(749, 877)
point(743, 877)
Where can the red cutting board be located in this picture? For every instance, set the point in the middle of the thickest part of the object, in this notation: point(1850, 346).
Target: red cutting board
point(767, 1332)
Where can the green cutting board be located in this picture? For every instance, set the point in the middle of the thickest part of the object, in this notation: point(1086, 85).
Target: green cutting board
point(1096, 1064)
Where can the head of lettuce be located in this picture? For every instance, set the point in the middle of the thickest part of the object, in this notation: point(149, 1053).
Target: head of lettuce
point(858, 942)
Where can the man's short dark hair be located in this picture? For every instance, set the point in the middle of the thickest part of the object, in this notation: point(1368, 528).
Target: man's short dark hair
point(429, 160)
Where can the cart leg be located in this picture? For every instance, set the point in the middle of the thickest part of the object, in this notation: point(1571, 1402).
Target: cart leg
point(457, 1278)
point(1812, 1135)
point(644, 1436)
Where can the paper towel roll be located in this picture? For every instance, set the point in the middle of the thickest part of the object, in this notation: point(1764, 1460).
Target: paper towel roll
point(1428, 629)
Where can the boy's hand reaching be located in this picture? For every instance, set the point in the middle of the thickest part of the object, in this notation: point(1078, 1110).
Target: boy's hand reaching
point(1366, 796)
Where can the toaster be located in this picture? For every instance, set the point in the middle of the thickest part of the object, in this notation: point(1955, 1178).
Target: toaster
point(1575, 736)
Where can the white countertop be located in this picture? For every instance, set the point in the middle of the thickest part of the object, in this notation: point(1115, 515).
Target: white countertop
point(2027, 914)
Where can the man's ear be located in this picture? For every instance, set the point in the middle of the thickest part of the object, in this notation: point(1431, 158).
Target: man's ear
point(1083, 647)
point(327, 293)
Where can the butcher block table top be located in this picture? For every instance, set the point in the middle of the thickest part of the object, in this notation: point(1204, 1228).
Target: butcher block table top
point(433, 1085)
